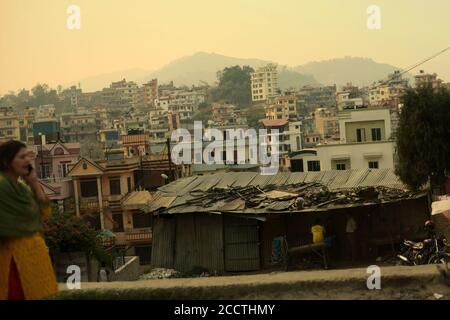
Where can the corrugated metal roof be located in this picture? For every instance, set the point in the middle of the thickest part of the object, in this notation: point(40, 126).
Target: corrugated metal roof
point(136, 200)
point(159, 201)
point(297, 177)
point(356, 177)
point(193, 194)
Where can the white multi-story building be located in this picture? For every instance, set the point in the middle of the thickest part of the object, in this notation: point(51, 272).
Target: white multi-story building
point(265, 83)
point(365, 142)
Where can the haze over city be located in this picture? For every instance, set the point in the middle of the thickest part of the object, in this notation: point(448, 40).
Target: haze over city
point(37, 47)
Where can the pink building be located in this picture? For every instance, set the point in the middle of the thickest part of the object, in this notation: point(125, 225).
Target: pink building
point(53, 162)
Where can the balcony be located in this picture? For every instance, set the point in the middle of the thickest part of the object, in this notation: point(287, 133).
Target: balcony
point(138, 235)
point(115, 201)
point(91, 204)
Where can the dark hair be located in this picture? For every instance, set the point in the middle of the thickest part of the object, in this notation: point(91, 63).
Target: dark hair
point(317, 221)
point(8, 151)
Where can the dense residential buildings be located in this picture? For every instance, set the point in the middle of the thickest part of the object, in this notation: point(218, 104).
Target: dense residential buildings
point(388, 92)
point(227, 114)
point(312, 97)
point(426, 79)
point(282, 107)
point(83, 125)
point(264, 83)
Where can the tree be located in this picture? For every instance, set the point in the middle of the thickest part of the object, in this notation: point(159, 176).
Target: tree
point(234, 86)
point(423, 143)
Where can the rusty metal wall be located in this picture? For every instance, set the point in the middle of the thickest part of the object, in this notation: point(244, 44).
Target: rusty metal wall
point(163, 242)
point(242, 244)
point(199, 242)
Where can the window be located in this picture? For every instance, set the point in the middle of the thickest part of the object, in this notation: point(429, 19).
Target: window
point(340, 166)
point(9, 132)
point(118, 222)
point(297, 165)
point(376, 134)
point(373, 165)
point(88, 188)
point(129, 184)
point(314, 165)
point(8, 123)
point(63, 169)
point(114, 186)
point(141, 220)
point(360, 135)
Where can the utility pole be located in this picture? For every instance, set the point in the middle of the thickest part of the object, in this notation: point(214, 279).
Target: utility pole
point(42, 156)
point(170, 160)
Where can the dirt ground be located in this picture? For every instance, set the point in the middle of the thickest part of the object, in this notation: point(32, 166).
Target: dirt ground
point(397, 282)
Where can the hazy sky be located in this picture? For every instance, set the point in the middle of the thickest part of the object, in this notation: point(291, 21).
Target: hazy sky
point(36, 46)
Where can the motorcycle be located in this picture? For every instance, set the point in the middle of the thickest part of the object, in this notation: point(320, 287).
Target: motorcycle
point(429, 251)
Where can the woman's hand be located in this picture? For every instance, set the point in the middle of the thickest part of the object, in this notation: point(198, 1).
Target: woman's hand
point(31, 178)
point(33, 181)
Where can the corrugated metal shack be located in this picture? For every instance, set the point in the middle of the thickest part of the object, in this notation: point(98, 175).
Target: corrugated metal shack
point(226, 222)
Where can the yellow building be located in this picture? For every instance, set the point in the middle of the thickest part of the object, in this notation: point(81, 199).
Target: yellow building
point(106, 191)
point(283, 107)
point(9, 125)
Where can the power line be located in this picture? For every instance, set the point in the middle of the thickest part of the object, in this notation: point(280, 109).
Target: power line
point(411, 68)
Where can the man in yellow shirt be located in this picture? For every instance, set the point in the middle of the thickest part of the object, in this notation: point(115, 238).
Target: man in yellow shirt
point(318, 231)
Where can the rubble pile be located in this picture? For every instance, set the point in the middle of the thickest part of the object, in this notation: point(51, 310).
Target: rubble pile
point(161, 273)
point(297, 197)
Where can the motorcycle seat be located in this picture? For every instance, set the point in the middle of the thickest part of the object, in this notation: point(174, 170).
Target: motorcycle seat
point(414, 245)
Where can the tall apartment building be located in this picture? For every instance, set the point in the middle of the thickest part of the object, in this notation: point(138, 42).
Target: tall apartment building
point(9, 125)
point(283, 107)
point(74, 94)
point(326, 123)
point(26, 121)
point(150, 92)
point(264, 83)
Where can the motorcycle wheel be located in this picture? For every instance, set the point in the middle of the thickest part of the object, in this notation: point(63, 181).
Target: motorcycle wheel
point(436, 259)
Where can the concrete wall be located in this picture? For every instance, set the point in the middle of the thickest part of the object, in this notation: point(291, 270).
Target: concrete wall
point(130, 271)
point(367, 126)
point(359, 155)
point(364, 115)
